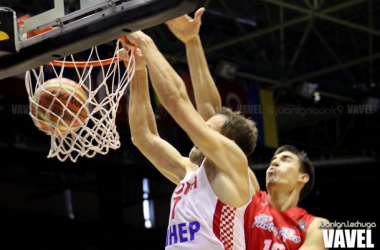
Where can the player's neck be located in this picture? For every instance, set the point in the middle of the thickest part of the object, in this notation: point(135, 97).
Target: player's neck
point(282, 200)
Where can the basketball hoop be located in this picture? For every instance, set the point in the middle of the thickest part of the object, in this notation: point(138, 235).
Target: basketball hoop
point(97, 134)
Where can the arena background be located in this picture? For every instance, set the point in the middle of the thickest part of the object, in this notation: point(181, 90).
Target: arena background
point(306, 71)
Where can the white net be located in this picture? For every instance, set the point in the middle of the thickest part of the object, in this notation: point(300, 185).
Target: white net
point(80, 118)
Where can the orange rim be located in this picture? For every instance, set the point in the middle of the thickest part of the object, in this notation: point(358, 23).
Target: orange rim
point(83, 64)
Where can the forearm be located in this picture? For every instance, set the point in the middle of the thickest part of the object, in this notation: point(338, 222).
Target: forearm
point(166, 82)
point(207, 97)
point(141, 116)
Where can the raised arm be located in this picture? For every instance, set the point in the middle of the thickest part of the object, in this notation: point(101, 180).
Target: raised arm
point(144, 130)
point(206, 94)
point(171, 90)
point(207, 97)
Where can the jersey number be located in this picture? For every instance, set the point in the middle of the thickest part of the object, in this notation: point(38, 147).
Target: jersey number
point(176, 200)
point(275, 246)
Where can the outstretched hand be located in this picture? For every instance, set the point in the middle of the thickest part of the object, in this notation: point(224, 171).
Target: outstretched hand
point(186, 28)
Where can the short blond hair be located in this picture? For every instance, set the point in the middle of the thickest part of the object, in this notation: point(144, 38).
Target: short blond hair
point(240, 129)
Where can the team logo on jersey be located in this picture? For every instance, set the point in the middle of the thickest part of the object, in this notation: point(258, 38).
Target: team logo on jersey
point(181, 190)
point(301, 225)
point(265, 222)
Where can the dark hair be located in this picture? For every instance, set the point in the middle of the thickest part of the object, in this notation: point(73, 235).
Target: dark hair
point(239, 129)
point(305, 167)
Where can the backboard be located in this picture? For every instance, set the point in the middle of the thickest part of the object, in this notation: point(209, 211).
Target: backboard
point(35, 32)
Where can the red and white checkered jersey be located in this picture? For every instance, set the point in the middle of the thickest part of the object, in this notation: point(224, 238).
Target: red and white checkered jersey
point(199, 220)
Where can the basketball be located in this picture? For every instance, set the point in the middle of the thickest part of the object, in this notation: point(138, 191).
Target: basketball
point(59, 104)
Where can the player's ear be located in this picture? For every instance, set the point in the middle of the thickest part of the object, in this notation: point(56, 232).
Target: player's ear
point(303, 177)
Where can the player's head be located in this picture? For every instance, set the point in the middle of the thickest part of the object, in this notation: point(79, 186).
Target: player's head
point(289, 169)
point(238, 128)
point(234, 126)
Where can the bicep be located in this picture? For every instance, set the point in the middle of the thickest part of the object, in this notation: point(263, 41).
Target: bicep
point(164, 157)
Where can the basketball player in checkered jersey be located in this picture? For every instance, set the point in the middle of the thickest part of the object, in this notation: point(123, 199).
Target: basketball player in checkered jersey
point(208, 204)
point(272, 219)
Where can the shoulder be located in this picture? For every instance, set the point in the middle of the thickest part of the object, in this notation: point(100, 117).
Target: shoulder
point(314, 235)
point(324, 220)
point(182, 174)
point(260, 196)
point(190, 168)
point(317, 221)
